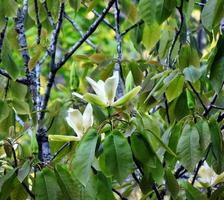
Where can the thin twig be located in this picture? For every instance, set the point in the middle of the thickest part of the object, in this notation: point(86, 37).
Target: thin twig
point(118, 68)
point(180, 9)
point(49, 15)
point(198, 96)
point(60, 150)
point(167, 109)
point(39, 26)
point(19, 80)
point(80, 31)
point(119, 194)
point(89, 32)
point(139, 23)
point(199, 165)
point(106, 22)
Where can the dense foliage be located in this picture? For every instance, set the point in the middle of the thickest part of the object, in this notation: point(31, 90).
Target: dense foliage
point(111, 99)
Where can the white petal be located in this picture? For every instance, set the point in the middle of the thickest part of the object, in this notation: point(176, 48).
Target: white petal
point(77, 95)
point(75, 120)
point(97, 87)
point(111, 87)
point(88, 117)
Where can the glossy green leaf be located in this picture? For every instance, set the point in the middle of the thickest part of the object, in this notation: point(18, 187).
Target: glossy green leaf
point(116, 159)
point(84, 156)
point(75, 4)
point(7, 183)
point(70, 187)
point(212, 13)
point(188, 148)
point(192, 74)
point(4, 110)
point(175, 88)
point(171, 183)
point(46, 186)
point(21, 107)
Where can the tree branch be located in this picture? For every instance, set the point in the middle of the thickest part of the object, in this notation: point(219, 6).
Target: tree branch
point(49, 15)
point(106, 22)
point(180, 9)
point(80, 31)
point(139, 23)
point(89, 32)
point(118, 68)
point(198, 96)
point(19, 80)
point(39, 26)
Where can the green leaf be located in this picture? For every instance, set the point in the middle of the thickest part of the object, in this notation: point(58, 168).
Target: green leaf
point(212, 14)
point(192, 193)
point(147, 11)
point(4, 8)
point(24, 171)
point(46, 187)
point(116, 159)
point(84, 156)
point(70, 187)
point(192, 74)
point(216, 74)
point(4, 110)
point(188, 148)
point(146, 156)
point(175, 88)
point(75, 4)
point(171, 183)
point(63, 138)
point(164, 9)
point(9, 63)
point(151, 35)
point(7, 183)
point(216, 138)
point(127, 97)
point(204, 133)
point(21, 107)
point(18, 90)
point(163, 144)
point(188, 56)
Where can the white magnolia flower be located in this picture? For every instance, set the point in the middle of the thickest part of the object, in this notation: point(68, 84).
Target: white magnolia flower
point(79, 122)
point(208, 176)
point(106, 92)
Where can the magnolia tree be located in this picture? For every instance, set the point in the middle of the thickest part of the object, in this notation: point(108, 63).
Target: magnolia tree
point(111, 99)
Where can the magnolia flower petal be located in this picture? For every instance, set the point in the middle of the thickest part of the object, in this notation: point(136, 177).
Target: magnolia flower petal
point(88, 117)
point(127, 97)
point(63, 138)
point(111, 87)
point(77, 95)
point(97, 87)
point(75, 119)
point(94, 99)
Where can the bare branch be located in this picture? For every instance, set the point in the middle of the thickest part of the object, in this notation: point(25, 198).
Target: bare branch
point(19, 80)
point(89, 32)
point(49, 15)
point(106, 22)
point(38, 22)
point(76, 26)
point(180, 9)
point(118, 68)
point(139, 23)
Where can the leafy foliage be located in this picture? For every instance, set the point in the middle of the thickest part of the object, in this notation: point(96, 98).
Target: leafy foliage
point(111, 99)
